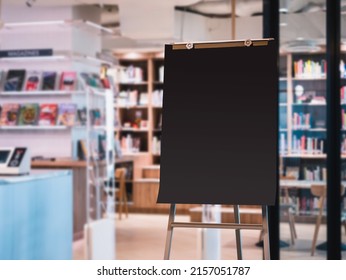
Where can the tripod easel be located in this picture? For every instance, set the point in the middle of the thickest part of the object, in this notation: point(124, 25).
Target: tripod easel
point(237, 226)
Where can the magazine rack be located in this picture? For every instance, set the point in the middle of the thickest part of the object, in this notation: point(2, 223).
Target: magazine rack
point(231, 86)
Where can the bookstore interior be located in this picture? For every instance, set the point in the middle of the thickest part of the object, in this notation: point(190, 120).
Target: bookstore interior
point(81, 104)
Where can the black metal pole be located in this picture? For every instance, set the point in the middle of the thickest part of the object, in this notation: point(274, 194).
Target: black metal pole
point(333, 131)
point(271, 30)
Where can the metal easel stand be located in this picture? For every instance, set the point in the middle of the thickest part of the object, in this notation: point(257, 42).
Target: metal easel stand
point(237, 226)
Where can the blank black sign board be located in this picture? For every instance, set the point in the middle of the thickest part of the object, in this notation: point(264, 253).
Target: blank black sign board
point(219, 124)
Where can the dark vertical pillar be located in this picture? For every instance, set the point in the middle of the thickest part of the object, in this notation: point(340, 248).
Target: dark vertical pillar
point(333, 131)
point(271, 30)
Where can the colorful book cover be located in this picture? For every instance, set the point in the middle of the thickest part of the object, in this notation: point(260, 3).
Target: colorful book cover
point(48, 80)
point(95, 117)
point(68, 81)
point(14, 80)
point(67, 114)
point(33, 79)
point(9, 114)
point(48, 114)
point(28, 114)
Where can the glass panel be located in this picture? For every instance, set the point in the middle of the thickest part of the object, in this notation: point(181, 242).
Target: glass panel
point(302, 128)
point(343, 124)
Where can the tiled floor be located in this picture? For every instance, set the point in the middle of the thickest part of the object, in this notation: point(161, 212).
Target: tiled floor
point(142, 236)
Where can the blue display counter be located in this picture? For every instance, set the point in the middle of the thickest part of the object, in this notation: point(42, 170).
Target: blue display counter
point(36, 216)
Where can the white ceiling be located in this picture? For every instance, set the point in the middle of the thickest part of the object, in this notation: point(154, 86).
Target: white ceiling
point(89, 2)
point(296, 14)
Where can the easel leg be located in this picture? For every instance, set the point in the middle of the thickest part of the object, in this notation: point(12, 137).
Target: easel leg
point(169, 232)
point(266, 248)
point(237, 232)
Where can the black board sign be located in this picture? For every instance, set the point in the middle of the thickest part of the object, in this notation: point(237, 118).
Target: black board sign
point(219, 125)
point(26, 53)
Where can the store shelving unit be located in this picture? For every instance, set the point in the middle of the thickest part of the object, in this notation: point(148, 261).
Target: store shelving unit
point(93, 195)
point(139, 115)
point(303, 94)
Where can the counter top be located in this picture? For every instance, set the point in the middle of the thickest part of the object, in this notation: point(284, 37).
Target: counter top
point(58, 163)
point(36, 174)
point(61, 163)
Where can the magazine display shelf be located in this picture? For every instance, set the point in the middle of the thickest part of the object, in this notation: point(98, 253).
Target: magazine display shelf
point(93, 196)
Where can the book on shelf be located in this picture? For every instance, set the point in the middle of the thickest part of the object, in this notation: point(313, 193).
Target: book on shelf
point(82, 116)
point(156, 146)
point(82, 151)
point(49, 80)
point(29, 114)
point(161, 73)
point(102, 146)
point(132, 98)
point(68, 81)
point(117, 149)
point(343, 119)
point(33, 81)
point(157, 98)
point(122, 98)
point(48, 114)
point(95, 117)
point(14, 80)
point(159, 124)
point(143, 99)
point(9, 114)
point(67, 114)
point(283, 143)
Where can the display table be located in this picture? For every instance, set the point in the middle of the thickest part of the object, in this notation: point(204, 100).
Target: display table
point(78, 168)
point(36, 215)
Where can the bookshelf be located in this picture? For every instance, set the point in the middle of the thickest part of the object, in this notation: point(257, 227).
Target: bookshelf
point(302, 123)
point(139, 108)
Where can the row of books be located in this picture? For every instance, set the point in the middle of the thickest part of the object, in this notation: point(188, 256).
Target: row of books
point(314, 173)
point(66, 114)
point(20, 79)
point(305, 203)
point(130, 144)
point(156, 145)
point(130, 98)
point(301, 121)
point(310, 68)
point(315, 69)
point(23, 80)
point(130, 74)
point(307, 145)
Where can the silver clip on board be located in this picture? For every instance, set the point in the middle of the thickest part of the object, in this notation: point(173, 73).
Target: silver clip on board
point(231, 87)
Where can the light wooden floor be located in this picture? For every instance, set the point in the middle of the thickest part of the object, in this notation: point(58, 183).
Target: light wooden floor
point(142, 237)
